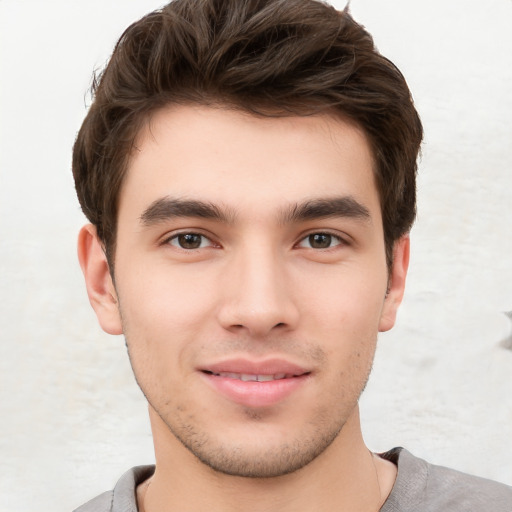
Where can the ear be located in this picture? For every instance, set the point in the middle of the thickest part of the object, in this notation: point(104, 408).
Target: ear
point(100, 288)
point(396, 285)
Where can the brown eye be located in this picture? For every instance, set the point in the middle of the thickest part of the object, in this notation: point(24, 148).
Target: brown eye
point(320, 241)
point(189, 241)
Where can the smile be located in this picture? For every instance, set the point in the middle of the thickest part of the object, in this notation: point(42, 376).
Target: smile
point(248, 377)
point(256, 384)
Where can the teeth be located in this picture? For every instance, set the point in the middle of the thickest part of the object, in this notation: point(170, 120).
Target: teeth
point(247, 377)
point(266, 378)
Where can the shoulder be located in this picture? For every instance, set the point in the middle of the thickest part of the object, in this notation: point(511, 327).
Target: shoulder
point(102, 503)
point(424, 487)
point(123, 497)
point(459, 491)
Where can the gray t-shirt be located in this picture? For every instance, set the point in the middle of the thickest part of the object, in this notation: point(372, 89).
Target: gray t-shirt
point(419, 487)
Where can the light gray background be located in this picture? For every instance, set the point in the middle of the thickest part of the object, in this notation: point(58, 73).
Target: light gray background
point(71, 417)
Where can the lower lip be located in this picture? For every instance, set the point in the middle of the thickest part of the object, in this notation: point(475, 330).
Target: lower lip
point(255, 394)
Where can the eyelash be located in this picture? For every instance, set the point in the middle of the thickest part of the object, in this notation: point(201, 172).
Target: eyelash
point(332, 237)
point(176, 236)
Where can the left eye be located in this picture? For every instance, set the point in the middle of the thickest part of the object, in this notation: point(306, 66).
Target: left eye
point(320, 241)
point(190, 241)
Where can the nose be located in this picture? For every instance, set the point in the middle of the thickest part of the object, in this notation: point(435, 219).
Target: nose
point(258, 294)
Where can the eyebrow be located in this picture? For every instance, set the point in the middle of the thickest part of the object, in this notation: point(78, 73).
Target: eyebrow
point(167, 208)
point(344, 206)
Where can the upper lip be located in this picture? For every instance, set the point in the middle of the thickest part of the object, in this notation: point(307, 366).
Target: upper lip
point(250, 367)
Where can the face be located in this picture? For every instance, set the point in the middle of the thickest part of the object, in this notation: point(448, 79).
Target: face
point(250, 282)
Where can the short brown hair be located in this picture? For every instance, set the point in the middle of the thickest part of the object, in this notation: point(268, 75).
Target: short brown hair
point(268, 57)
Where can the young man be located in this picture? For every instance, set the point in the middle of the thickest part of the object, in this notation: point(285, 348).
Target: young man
point(248, 168)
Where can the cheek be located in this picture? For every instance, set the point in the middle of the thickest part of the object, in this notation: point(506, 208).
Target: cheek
point(349, 303)
point(161, 320)
point(166, 301)
point(346, 322)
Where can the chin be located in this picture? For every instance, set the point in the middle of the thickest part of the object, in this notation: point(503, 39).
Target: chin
point(260, 454)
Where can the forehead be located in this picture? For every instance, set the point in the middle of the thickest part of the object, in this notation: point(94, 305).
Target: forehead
point(247, 162)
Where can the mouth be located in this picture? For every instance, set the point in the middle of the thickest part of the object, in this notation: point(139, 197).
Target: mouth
point(256, 384)
point(251, 377)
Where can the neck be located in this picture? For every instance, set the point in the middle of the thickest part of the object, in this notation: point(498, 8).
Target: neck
point(345, 477)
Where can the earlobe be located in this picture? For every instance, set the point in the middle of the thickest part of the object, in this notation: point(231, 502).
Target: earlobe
point(100, 288)
point(396, 285)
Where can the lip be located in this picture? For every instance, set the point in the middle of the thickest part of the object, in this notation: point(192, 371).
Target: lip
point(224, 378)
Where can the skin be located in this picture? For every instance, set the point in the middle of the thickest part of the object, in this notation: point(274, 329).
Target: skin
point(251, 281)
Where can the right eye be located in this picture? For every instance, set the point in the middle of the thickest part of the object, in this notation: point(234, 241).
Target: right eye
point(190, 241)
